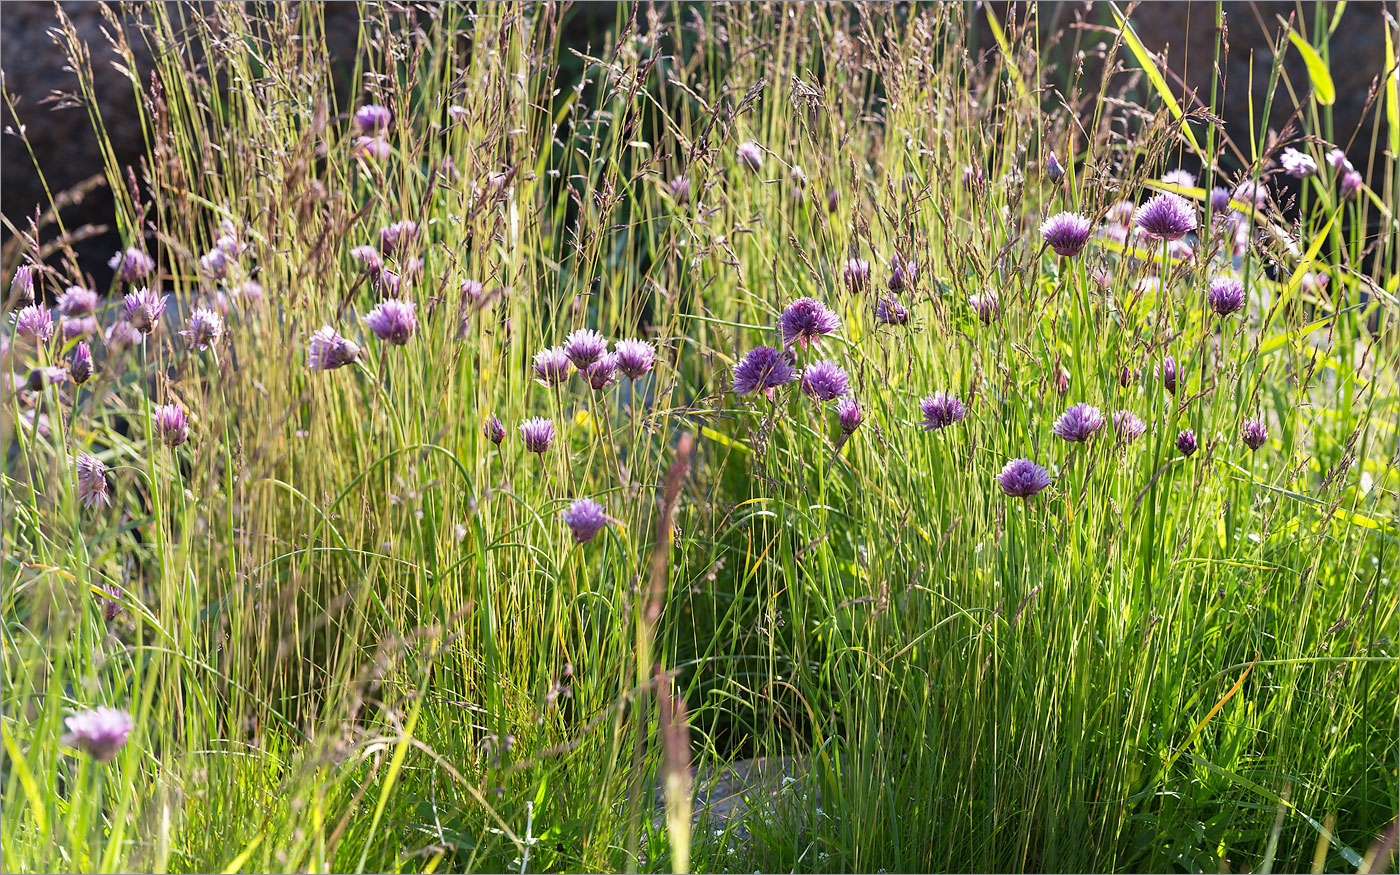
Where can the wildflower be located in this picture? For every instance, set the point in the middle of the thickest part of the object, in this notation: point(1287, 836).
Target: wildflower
point(1253, 433)
point(1066, 233)
point(634, 357)
point(1180, 177)
point(1079, 423)
point(848, 413)
point(1167, 217)
point(903, 273)
point(856, 274)
point(764, 369)
point(1128, 426)
point(585, 518)
point(80, 369)
point(1022, 478)
point(214, 263)
point(121, 335)
point(40, 379)
point(368, 258)
point(387, 282)
point(397, 237)
point(34, 323)
point(972, 177)
point(1186, 442)
point(92, 480)
point(584, 347)
point(457, 113)
point(250, 291)
point(806, 321)
point(1121, 213)
point(373, 148)
point(602, 373)
point(328, 350)
point(1251, 192)
point(1338, 161)
point(941, 410)
point(987, 306)
point(1126, 376)
point(1314, 282)
point(1351, 184)
point(680, 189)
point(750, 155)
point(824, 380)
point(172, 425)
point(551, 366)
point(99, 732)
point(832, 201)
point(1061, 380)
point(1219, 200)
point(1054, 170)
point(493, 429)
point(1166, 369)
point(206, 329)
point(77, 301)
point(373, 118)
point(889, 311)
point(393, 321)
point(1225, 296)
point(79, 327)
point(143, 309)
point(132, 265)
point(22, 286)
point(1297, 164)
point(538, 434)
point(110, 603)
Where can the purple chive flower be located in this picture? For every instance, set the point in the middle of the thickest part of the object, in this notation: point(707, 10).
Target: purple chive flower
point(393, 321)
point(172, 424)
point(1180, 177)
point(1166, 369)
point(941, 410)
point(121, 336)
point(110, 603)
point(40, 379)
point(972, 177)
point(634, 357)
point(824, 380)
point(1167, 217)
point(473, 293)
point(680, 189)
point(132, 265)
point(92, 480)
point(1078, 423)
point(1128, 426)
point(77, 301)
point(888, 311)
point(1186, 442)
point(1225, 296)
point(493, 429)
point(1066, 233)
point(79, 327)
point(1061, 380)
point(1126, 376)
point(398, 236)
point(1121, 213)
point(764, 369)
point(206, 329)
point(80, 369)
point(143, 309)
point(1253, 433)
point(328, 350)
point(1054, 170)
point(538, 434)
point(1337, 159)
point(373, 118)
point(1314, 282)
point(1022, 478)
point(372, 148)
point(22, 285)
point(807, 321)
point(1219, 200)
point(833, 200)
point(584, 347)
point(903, 273)
point(750, 155)
point(34, 323)
point(987, 306)
point(585, 518)
point(551, 366)
point(848, 413)
point(1297, 164)
point(99, 732)
point(1251, 192)
point(1351, 184)
point(856, 274)
point(601, 374)
point(368, 258)
point(214, 263)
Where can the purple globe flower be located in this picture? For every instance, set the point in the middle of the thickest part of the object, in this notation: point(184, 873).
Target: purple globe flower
point(121, 336)
point(764, 369)
point(398, 236)
point(82, 326)
point(77, 301)
point(80, 369)
point(602, 373)
point(393, 321)
point(172, 425)
point(373, 118)
point(1219, 200)
point(904, 272)
point(1061, 380)
point(132, 265)
point(33, 323)
point(493, 429)
point(888, 311)
point(1079, 423)
point(1166, 369)
point(1297, 164)
point(40, 379)
point(1126, 376)
point(1186, 442)
point(1351, 184)
point(22, 286)
point(634, 357)
point(92, 480)
point(849, 415)
point(100, 732)
point(328, 350)
point(856, 274)
point(584, 347)
point(585, 518)
point(1022, 478)
point(214, 263)
point(1180, 177)
point(551, 366)
point(1167, 217)
point(1066, 233)
point(1253, 433)
point(1054, 170)
point(807, 321)
point(824, 380)
point(368, 258)
point(206, 329)
point(987, 306)
point(833, 200)
point(144, 308)
point(1121, 213)
point(1128, 426)
point(941, 410)
point(110, 603)
point(972, 177)
point(1225, 296)
point(680, 189)
point(1251, 192)
point(372, 148)
point(1337, 159)
point(750, 155)
point(538, 434)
